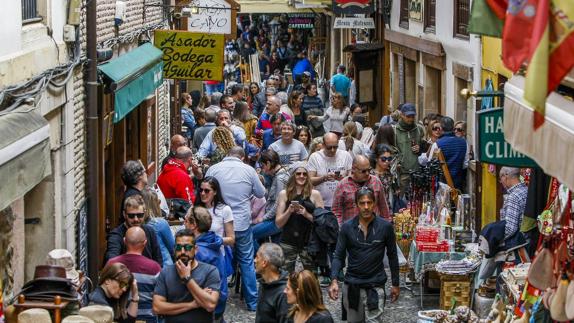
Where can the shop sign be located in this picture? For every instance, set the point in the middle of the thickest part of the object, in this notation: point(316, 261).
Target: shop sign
point(493, 148)
point(301, 21)
point(349, 23)
point(191, 56)
point(213, 17)
point(351, 7)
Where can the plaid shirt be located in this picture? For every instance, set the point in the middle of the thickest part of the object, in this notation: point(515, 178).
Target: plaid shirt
point(344, 206)
point(513, 208)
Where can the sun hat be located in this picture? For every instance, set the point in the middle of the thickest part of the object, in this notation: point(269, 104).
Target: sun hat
point(63, 258)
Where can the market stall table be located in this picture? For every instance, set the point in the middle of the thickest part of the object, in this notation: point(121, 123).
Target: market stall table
point(424, 261)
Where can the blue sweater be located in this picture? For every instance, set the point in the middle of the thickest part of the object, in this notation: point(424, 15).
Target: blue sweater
point(454, 150)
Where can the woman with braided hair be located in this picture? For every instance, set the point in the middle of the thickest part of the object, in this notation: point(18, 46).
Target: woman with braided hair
point(223, 140)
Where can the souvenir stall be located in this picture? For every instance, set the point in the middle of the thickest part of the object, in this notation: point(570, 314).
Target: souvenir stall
point(544, 289)
point(434, 233)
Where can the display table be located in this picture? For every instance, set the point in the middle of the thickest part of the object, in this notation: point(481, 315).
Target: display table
point(422, 262)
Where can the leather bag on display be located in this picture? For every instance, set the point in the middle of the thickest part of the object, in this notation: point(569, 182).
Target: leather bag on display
point(558, 305)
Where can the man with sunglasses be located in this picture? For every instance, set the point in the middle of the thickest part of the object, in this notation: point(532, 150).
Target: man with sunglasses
point(134, 212)
point(328, 166)
point(187, 291)
point(344, 206)
point(362, 244)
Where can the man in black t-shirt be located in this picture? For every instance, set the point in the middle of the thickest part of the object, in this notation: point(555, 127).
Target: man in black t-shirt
point(187, 291)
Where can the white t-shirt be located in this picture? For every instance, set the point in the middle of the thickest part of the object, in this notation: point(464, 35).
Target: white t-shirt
point(359, 148)
point(221, 216)
point(289, 154)
point(320, 163)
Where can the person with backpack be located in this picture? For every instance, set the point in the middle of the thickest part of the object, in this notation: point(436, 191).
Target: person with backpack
point(409, 137)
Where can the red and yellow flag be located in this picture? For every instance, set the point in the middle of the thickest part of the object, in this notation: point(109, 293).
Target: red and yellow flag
point(551, 54)
point(517, 32)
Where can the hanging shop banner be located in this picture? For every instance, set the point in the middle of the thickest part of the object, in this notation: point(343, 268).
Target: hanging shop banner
point(213, 17)
point(351, 7)
point(301, 20)
point(493, 148)
point(191, 56)
point(416, 10)
point(350, 23)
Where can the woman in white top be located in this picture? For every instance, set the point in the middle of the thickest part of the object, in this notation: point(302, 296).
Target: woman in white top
point(336, 115)
point(221, 215)
point(434, 131)
point(350, 143)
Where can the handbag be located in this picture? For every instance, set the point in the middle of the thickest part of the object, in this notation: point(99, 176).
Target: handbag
point(541, 274)
point(177, 208)
point(162, 201)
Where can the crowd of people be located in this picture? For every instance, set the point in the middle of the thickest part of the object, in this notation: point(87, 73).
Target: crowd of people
point(268, 179)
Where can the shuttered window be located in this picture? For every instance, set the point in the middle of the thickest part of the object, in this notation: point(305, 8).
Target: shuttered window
point(404, 14)
point(461, 17)
point(30, 11)
point(429, 14)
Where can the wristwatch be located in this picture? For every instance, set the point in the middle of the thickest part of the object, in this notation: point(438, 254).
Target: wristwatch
point(186, 279)
point(134, 300)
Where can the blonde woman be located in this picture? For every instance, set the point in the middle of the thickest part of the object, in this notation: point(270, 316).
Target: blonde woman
point(154, 218)
point(335, 115)
point(350, 143)
point(223, 141)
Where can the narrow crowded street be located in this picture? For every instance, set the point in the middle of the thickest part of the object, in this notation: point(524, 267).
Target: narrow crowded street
point(286, 161)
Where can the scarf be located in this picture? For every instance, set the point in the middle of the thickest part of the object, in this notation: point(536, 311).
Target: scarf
point(406, 126)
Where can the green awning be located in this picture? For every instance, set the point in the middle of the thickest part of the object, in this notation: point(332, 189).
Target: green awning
point(24, 153)
point(132, 77)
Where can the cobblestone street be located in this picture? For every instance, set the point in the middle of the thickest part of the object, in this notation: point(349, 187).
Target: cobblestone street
point(403, 311)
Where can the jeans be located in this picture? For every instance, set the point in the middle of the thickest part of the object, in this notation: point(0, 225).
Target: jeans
point(243, 253)
point(265, 229)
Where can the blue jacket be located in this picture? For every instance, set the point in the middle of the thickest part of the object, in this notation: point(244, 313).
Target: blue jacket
point(209, 252)
point(454, 150)
point(188, 121)
point(268, 138)
point(301, 66)
point(165, 239)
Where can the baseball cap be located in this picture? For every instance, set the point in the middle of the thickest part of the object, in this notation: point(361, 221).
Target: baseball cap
point(307, 73)
point(408, 109)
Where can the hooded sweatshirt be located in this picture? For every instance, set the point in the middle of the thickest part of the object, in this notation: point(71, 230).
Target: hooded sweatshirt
point(174, 181)
point(272, 306)
point(209, 251)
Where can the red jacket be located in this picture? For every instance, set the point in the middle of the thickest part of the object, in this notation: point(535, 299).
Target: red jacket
point(174, 181)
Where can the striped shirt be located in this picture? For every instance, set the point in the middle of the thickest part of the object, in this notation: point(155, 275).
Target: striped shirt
point(513, 208)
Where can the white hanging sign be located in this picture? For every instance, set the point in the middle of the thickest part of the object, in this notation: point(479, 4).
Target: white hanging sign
point(350, 23)
point(212, 17)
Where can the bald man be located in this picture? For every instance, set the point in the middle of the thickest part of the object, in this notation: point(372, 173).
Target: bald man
point(174, 180)
point(145, 270)
point(175, 142)
point(344, 206)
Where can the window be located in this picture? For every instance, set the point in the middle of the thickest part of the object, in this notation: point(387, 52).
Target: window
point(429, 16)
point(461, 17)
point(30, 11)
point(404, 14)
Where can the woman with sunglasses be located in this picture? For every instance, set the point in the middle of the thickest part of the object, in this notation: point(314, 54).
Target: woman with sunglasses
point(386, 170)
point(304, 294)
point(460, 131)
point(303, 134)
point(295, 207)
point(434, 131)
point(115, 282)
point(221, 216)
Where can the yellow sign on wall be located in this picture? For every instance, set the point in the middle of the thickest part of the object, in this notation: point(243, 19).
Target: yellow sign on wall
point(191, 56)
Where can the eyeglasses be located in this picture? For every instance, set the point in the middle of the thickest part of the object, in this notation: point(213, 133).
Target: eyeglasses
point(301, 174)
point(205, 190)
point(133, 215)
point(458, 129)
point(123, 285)
point(334, 147)
point(386, 159)
point(435, 128)
point(186, 247)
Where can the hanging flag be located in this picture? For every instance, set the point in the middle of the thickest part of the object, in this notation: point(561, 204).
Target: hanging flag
point(551, 48)
point(498, 7)
point(517, 32)
point(483, 21)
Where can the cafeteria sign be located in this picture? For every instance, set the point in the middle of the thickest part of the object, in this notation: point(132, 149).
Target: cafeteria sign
point(191, 56)
point(301, 20)
point(493, 148)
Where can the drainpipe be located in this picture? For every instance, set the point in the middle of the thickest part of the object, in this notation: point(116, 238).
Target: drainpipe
point(92, 140)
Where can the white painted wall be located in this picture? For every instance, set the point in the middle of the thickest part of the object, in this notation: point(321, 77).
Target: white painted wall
point(10, 33)
point(466, 52)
